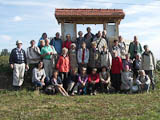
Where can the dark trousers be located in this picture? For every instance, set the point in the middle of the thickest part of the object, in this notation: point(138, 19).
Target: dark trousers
point(150, 74)
point(116, 81)
point(64, 78)
point(92, 87)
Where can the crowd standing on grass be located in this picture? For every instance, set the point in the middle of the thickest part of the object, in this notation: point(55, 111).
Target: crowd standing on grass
point(86, 66)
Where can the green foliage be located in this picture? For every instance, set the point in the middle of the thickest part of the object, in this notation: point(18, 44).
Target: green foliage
point(4, 64)
point(5, 52)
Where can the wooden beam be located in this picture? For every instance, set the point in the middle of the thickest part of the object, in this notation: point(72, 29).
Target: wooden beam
point(62, 31)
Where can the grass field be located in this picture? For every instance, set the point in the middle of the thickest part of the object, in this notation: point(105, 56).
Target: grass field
point(32, 105)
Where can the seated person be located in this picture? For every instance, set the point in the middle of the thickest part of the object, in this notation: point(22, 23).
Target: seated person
point(39, 78)
point(57, 83)
point(127, 80)
point(93, 80)
point(105, 79)
point(143, 81)
point(82, 81)
point(72, 80)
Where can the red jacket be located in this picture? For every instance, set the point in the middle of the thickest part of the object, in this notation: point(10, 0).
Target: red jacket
point(116, 65)
point(93, 78)
point(63, 64)
point(67, 44)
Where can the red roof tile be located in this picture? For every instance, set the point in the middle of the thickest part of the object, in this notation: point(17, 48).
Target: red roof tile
point(89, 12)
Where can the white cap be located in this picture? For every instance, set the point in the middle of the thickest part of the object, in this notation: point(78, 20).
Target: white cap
point(18, 42)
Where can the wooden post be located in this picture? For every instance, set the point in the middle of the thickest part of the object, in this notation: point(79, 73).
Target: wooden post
point(104, 26)
point(117, 29)
point(75, 31)
point(62, 31)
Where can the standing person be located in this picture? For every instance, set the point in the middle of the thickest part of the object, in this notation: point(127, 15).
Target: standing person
point(136, 65)
point(104, 35)
point(148, 64)
point(134, 48)
point(122, 46)
point(68, 42)
point(127, 80)
point(33, 54)
point(143, 81)
point(80, 40)
point(105, 79)
point(46, 53)
point(38, 76)
point(88, 37)
point(83, 56)
point(18, 62)
point(94, 58)
point(116, 47)
point(73, 56)
point(93, 80)
point(63, 66)
point(43, 37)
point(106, 58)
point(56, 42)
point(57, 83)
point(100, 41)
point(116, 70)
point(33, 58)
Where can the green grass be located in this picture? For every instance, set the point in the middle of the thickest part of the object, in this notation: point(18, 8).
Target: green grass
point(32, 105)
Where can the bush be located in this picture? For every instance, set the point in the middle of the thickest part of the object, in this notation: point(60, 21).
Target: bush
point(4, 64)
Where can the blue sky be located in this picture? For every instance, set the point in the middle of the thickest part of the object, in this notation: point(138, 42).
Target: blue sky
point(28, 19)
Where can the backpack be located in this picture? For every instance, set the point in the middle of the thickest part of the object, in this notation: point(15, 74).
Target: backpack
point(50, 90)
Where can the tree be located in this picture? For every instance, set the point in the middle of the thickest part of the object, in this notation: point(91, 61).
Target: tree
point(5, 52)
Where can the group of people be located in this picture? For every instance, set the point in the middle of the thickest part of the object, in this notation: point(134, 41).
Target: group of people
point(89, 64)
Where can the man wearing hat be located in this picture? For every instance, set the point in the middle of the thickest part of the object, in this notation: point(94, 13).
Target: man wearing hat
point(18, 63)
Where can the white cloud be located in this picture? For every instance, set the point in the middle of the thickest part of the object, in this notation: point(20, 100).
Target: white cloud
point(5, 37)
point(147, 8)
point(17, 19)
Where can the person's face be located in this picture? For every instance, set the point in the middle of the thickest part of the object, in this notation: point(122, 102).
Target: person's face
point(116, 43)
point(127, 69)
point(103, 69)
point(142, 73)
point(73, 47)
point(55, 74)
point(114, 54)
point(47, 42)
point(40, 65)
point(42, 43)
point(146, 49)
point(137, 57)
point(57, 35)
point(104, 33)
point(93, 72)
point(64, 52)
point(68, 37)
point(83, 45)
point(32, 43)
point(88, 30)
point(99, 34)
point(94, 46)
point(120, 39)
point(19, 45)
point(83, 72)
point(44, 36)
point(135, 39)
point(80, 34)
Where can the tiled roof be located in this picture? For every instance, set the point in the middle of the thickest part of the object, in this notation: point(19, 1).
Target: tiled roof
point(89, 12)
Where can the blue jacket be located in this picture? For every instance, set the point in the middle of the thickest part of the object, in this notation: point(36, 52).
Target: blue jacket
point(57, 43)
